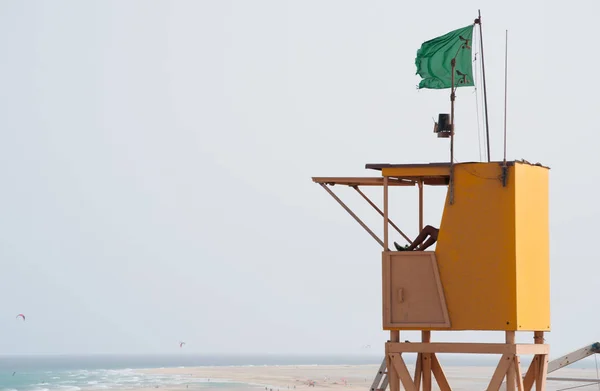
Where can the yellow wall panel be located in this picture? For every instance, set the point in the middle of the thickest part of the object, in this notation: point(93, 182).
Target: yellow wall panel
point(532, 250)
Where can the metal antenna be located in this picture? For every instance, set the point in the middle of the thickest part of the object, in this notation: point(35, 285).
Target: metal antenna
point(487, 125)
point(504, 167)
point(505, 89)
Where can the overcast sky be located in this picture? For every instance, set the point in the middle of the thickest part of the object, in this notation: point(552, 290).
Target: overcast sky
point(156, 161)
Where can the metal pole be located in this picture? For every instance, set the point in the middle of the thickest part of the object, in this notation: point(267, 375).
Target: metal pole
point(487, 124)
point(452, 97)
point(504, 167)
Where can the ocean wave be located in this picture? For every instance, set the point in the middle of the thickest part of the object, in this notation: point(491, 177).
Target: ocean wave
point(122, 379)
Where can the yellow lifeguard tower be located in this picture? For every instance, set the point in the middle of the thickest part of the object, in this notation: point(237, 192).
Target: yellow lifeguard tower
point(490, 267)
point(489, 270)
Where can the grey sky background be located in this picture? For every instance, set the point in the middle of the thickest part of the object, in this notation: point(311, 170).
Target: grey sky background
point(156, 163)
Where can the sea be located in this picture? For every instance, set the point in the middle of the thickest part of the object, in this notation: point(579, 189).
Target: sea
point(106, 372)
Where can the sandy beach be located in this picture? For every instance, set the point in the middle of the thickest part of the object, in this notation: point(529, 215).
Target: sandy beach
point(336, 377)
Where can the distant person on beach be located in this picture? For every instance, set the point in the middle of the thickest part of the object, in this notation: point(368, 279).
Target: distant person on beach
point(430, 233)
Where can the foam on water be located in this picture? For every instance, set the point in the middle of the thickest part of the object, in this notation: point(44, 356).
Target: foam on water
point(106, 379)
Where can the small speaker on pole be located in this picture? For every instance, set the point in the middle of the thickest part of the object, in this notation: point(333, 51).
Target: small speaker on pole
point(443, 127)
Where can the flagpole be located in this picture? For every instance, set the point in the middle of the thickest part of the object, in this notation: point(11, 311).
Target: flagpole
point(487, 125)
point(452, 97)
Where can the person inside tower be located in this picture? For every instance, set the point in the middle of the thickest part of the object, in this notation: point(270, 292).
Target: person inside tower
point(426, 238)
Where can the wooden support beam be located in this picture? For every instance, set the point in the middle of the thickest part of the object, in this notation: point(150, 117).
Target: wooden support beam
point(417, 172)
point(402, 371)
point(392, 375)
point(440, 378)
point(472, 348)
point(536, 373)
point(428, 366)
point(540, 381)
point(518, 374)
point(418, 370)
point(363, 195)
point(531, 372)
point(500, 372)
point(351, 213)
point(532, 349)
point(361, 181)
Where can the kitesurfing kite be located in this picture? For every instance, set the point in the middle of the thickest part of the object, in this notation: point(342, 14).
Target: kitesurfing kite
point(21, 315)
point(181, 344)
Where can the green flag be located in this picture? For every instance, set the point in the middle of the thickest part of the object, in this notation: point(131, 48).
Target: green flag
point(434, 60)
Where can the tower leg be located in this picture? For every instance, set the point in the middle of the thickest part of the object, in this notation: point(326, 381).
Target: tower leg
point(510, 375)
point(426, 365)
point(393, 376)
point(538, 369)
point(540, 379)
